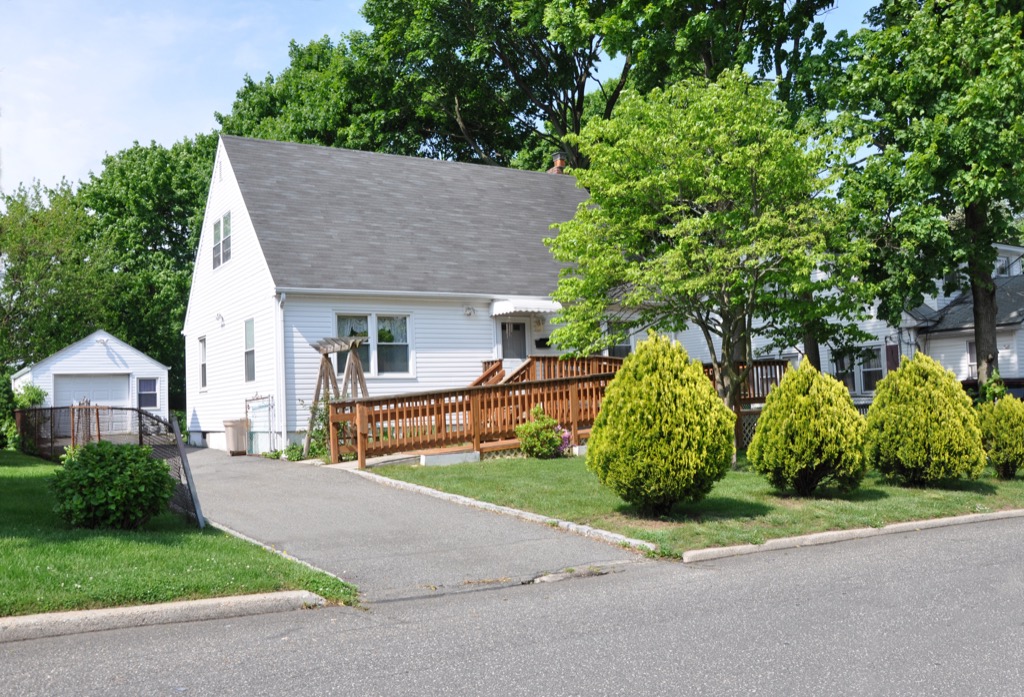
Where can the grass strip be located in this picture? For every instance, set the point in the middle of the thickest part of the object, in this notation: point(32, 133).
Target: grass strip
point(47, 566)
point(741, 509)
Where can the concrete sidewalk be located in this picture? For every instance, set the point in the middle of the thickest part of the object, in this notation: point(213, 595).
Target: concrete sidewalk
point(389, 542)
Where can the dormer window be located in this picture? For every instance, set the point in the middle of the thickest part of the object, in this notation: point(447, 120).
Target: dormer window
point(222, 240)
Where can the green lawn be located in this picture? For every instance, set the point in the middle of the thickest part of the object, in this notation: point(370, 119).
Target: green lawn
point(46, 566)
point(742, 508)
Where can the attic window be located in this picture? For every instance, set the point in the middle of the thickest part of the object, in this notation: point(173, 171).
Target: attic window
point(222, 240)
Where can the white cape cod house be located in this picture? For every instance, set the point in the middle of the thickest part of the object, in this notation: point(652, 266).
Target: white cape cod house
point(440, 265)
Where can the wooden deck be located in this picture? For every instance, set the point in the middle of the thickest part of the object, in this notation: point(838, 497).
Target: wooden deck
point(487, 412)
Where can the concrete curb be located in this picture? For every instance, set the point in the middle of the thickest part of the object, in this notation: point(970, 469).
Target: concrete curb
point(575, 528)
point(54, 624)
point(824, 538)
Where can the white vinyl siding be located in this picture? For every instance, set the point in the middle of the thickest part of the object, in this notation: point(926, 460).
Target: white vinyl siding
point(446, 345)
point(220, 301)
point(100, 368)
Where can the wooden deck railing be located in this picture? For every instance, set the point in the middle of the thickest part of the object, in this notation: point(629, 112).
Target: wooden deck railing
point(762, 377)
point(493, 373)
point(554, 367)
point(467, 416)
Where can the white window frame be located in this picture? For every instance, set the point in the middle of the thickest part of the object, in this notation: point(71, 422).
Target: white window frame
point(1002, 267)
point(222, 240)
point(857, 370)
point(972, 360)
point(371, 368)
point(249, 355)
point(155, 392)
point(202, 363)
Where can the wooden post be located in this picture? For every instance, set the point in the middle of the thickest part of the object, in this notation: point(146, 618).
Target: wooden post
point(332, 430)
point(361, 435)
point(98, 427)
point(474, 418)
point(71, 410)
point(574, 411)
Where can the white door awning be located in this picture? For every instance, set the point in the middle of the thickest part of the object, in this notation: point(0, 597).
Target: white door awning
point(524, 306)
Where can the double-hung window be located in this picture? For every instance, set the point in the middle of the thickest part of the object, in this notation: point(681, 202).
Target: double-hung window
point(202, 361)
point(871, 370)
point(861, 371)
point(222, 240)
point(250, 350)
point(385, 349)
point(147, 394)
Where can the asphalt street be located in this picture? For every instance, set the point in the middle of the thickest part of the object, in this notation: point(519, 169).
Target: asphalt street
point(937, 612)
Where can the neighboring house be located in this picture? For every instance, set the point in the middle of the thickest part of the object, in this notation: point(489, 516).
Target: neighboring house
point(440, 265)
point(943, 328)
point(101, 370)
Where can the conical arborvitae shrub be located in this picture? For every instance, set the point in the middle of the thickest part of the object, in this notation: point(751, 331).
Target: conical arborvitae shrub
point(809, 434)
point(922, 427)
point(663, 435)
point(1002, 433)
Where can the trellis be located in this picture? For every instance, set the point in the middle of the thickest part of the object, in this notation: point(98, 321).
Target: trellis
point(353, 382)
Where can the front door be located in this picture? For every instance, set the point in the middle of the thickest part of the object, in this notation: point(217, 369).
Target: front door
point(513, 345)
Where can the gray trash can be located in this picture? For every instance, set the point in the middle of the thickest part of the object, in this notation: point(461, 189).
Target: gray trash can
point(235, 436)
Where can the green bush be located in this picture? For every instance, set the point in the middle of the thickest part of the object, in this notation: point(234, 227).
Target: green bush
point(922, 427)
point(1002, 433)
point(103, 485)
point(28, 396)
point(541, 437)
point(663, 435)
point(809, 434)
point(293, 453)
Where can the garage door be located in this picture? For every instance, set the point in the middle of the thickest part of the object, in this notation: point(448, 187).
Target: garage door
point(108, 390)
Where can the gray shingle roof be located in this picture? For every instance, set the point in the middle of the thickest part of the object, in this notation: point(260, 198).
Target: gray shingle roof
point(959, 314)
point(336, 219)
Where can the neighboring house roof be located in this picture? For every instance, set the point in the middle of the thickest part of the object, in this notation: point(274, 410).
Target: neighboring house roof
point(959, 314)
point(334, 219)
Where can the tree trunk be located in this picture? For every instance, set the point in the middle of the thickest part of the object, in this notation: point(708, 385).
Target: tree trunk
point(812, 351)
point(983, 293)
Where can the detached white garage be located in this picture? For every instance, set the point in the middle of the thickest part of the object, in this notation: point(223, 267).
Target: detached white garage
point(101, 370)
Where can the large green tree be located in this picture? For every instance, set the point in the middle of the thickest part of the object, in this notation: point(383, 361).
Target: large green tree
point(340, 95)
point(487, 80)
point(146, 209)
point(706, 207)
point(52, 290)
point(934, 90)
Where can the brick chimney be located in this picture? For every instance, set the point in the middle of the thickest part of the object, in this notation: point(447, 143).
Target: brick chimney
point(559, 163)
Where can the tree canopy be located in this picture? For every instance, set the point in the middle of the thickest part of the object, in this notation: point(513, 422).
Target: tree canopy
point(935, 91)
point(705, 208)
point(489, 80)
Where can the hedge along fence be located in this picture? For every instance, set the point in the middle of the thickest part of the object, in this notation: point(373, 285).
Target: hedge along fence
point(47, 431)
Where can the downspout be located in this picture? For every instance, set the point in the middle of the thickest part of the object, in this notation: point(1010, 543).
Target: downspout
point(281, 402)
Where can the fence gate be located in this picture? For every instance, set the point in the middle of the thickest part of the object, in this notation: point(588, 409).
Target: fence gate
point(260, 413)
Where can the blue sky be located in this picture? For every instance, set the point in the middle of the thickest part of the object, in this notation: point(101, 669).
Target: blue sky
point(80, 79)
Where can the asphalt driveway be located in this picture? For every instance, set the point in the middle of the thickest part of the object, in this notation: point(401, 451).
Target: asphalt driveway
point(392, 544)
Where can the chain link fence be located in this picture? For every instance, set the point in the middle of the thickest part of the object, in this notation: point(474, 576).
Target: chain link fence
point(46, 432)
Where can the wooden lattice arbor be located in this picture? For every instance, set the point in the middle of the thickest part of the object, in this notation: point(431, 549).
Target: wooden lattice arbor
point(353, 382)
